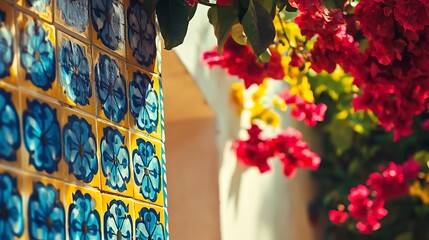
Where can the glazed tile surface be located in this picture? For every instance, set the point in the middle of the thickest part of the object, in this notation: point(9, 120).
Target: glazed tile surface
point(81, 121)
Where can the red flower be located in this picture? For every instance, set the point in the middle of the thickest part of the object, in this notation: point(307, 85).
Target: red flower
point(254, 151)
point(412, 15)
point(293, 152)
point(223, 2)
point(337, 216)
point(359, 202)
point(411, 169)
point(297, 59)
point(192, 2)
point(366, 211)
point(368, 226)
point(303, 110)
point(240, 61)
point(425, 125)
point(388, 184)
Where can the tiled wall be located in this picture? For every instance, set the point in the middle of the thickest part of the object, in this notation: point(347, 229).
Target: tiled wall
point(81, 121)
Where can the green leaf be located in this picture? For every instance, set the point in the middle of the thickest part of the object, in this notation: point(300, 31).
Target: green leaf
point(334, 3)
point(285, 5)
point(268, 5)
point(173, 17)
point(193, 11)
point(149, 6)
point(238, 35)
point(222, 19)
point(264, 57)
point(405, 236)
point(258, 26)
point(341, 135)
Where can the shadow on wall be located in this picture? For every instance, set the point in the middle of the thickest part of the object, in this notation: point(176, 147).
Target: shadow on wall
point(205, 182)
point(192, 159)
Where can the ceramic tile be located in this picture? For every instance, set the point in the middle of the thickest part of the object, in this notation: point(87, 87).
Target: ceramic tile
point(110, 85)
point(149, 221)
point(8, 39)
point(144, 102)
point(161, 106)
point(115, 160)
point(108, 25)
point(146, 161)
point(80, 148)
point(73, 15)
point(84, 213)
point(118, 217)
point(37, 68)
point(141, 37)
point(69, 144)
point(46, 217)
point(10, 127)
point(167, 228)
point(12, 203)
point(164, 176)
point(42, 8)
point(75, 73)
point(42, 150)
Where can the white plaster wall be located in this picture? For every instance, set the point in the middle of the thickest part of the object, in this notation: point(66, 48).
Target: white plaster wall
point(252, 206)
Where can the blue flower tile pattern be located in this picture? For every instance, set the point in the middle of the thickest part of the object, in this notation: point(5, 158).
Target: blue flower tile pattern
point(147, 170)
point(141, 34)
point(111, 88)
point(167, 233)
point(74, 72)
point(117, 221)
point(115, 159)
point(45, 213)
point(39, 5)
point(70, 70)
point(6, 46)
point(37, 55)
point(75, 13)
point(109, 22)
point(80, 149)
point(84, 220)
point(148, 226)
point(42, 136)
point(11, 216)
point(144, 102)
point(10, 139)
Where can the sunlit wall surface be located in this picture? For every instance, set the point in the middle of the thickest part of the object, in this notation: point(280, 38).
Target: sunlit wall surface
point(81, 127)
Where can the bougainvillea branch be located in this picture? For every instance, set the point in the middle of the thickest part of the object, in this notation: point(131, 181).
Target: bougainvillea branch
point(367, 202)
point(287, 146)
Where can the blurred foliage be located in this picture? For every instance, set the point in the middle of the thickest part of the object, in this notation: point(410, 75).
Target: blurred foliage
point(353, 147)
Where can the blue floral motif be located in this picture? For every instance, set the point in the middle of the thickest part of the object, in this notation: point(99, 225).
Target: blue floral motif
point(42, 136)
point(109, 22)
point(84, 220)
point(74, 72)
point(111, 88)
point(45, 213)
point(141, 34)
point(37, 56)
point(74, 13)
point(144, 102)
point(39, 5)
point(80, 149)
point(148, 226)
point(115, 159)
point(9, 128)
point(11, 216)
point(117, 221)
point(6, 46)
point(147, 170)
